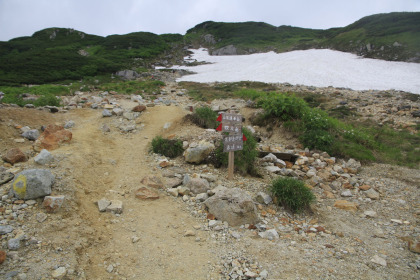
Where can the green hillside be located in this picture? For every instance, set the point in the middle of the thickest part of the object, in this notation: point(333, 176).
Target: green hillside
point(393, 36)
point(57, 54)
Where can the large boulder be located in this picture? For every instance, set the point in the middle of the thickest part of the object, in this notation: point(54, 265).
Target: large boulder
point(198, 153)
point(52, 137)
point(32, 184)
point(14, 155)
point(198, 185)
point(128, 74)
point(234, 206)
point(228, 50)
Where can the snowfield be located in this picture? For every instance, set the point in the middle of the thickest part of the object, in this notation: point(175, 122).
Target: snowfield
point(319, 68)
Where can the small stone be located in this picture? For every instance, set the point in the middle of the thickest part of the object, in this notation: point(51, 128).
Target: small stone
point(5, 229)
point(59, 273)
point(106, 113)
point(116, 207)
point(135, 239)
point(103, 204)
point(270, 234)
point(189, 233)
point(264, 274)
point(110, 268)
point(41, 217)
point(364, 187)
point(263, 198)
point(372, 194)
point(69, 124)
point(14, 155)
point(414, 246)
point(370, 214)
point(346, 205)
point(182, 190)
point(146, 193)
point(53, 203)
point(13, 244)
point(2, 256)
point(139, 108)
point(378, 260)
point(44, 157)
point(250, 274)
point(173, 192)
point(202, 196)
point(397, 221)
point(32, 134)
point(346, 193)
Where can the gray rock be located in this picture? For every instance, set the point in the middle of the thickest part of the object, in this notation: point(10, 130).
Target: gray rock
point(103, 204)
point(6, 177)
point(270, 234)
point(69, 124)
point(228, 50)
point(32, 134)
point(198, 185)
point(44, 157)
point(127, 74)
point(130, 115)
point(378, 260)
point(182, 190)
point(199, 153)
point(263, 198)
point(59, 273)
point(209, 39)
point(32, 184)
point(117, 111)
point(234, 206)
point(273, 169)
point(5, 229)
point(13, 244)
point(172, 182)
point(346, 193)
point(116, 207)
point(201, 197)
point(106, 113)
point(41, 217)
point(372, 194)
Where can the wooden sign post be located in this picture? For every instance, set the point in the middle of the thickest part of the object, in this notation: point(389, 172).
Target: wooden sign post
point(231, 123)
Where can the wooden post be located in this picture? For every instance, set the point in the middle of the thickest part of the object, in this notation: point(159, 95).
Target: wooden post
point(231, 163)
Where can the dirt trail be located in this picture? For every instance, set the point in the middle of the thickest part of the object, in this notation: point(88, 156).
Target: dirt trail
point(111, 166)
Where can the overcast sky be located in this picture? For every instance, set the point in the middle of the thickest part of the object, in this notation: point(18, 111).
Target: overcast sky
point(105, 17)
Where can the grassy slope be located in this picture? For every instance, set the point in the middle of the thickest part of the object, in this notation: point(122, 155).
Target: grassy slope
point(54, 54)
point(379, 31)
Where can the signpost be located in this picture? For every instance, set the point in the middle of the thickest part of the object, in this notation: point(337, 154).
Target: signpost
point(232, 124)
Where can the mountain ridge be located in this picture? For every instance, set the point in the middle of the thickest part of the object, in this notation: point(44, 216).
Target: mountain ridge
point(59, 54)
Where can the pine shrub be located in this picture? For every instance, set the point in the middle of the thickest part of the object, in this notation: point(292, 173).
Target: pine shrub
point(292, 194)
point(167, 147)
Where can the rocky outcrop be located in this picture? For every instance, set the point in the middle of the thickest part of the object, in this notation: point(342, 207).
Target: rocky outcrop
point(228, 50)
point(127, 74)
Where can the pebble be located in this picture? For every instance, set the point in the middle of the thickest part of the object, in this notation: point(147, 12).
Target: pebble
point(378, 260)
point(59, 273)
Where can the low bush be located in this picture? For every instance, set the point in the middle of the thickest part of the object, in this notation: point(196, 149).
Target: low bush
point(282, 106)
point(292, 194)
point(244, 159)
point(167, 147)
point(205, 117)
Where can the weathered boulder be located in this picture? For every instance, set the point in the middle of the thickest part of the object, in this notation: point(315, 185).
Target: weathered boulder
point(32, 184)
point(32, 134)
point(198, 185)
point(44, 157)
point(228, 50)
point(52, 137)
point(263, 198)
point(234, 206)
point(127, 74)
point(139, 108)
point(14, 155)
point(198, 153)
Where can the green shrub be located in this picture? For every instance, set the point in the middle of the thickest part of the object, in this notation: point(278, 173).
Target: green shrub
point(167, 147)
point(292, 194)
point(47, 100)
point(245, 159)
point(248, 94)
point(205, 117)
point(283, 106)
